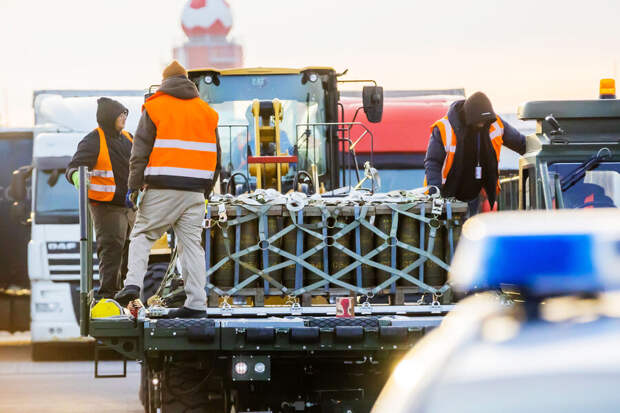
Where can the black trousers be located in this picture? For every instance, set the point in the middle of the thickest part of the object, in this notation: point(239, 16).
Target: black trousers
point(113, 225)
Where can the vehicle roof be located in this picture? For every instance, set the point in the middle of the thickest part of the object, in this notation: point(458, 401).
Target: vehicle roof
point(87, 92)
point(79, 113)
point(62, 144)
point(565, 221)
point(570, 109)
point(405, 93)
point(538, 348)
point(257, 70)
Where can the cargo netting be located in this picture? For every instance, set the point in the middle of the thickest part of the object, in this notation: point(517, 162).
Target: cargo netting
point(361, 243)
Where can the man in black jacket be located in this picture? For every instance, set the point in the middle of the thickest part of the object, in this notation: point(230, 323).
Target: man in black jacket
point(463, 151)
point(106, 151)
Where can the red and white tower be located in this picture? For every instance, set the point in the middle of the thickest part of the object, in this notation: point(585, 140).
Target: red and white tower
point(207, 23)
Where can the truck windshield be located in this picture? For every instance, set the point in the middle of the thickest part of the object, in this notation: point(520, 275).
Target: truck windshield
point(598, 188)
point(302, 103)
point(389, 179)
point(56, 200)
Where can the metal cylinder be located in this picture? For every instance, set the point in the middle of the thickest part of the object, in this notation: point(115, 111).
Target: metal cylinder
point(224, 276)
point(383, 223)
point(456, 234)
point(433, 274)
point(408, 233)
point(274, 258)
point(289, 244)
point(248, 237)
point(208, 254)
point(337, 258)
point(367, 245)
point(316, 259)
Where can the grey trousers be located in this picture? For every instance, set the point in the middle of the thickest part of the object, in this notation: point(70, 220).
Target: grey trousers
point(184, 211)
point(112, 228)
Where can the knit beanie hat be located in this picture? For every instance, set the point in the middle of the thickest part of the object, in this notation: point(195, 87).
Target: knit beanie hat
point(174, 69)
point(478, 109)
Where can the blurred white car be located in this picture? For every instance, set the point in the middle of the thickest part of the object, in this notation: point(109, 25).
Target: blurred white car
point(550, 342)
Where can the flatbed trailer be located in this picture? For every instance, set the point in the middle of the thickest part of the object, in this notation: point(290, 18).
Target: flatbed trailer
point(249, 353)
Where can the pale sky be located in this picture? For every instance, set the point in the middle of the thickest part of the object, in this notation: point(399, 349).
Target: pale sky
point(514, 50)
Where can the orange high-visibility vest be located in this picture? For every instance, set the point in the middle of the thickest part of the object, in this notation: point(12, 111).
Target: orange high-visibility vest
point(449, 140)
point(102, 185)
point(185, 144)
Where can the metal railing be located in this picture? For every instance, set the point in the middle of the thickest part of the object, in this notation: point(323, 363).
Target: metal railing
point(508, 199)
point(229, 167)
point(86, 251)
point(346, 144)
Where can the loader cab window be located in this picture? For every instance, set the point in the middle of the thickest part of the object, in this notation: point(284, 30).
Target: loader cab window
point(56, 200)
point(389, 179)
point(597, 188)
point(302, 103)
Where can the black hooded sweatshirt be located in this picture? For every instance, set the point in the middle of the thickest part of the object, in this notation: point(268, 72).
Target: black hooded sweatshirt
point(461, 182)
point(473, 149)
point(119, 148)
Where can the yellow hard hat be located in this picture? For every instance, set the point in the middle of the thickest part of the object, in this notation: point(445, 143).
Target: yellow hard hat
point(106, 308)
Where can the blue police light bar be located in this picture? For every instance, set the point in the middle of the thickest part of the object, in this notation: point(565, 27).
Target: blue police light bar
point(539, 253)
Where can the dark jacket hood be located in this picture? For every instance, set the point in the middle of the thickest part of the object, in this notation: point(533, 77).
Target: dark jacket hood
point(107, 112)
point(478, 109)
point(179, 87)
point(456, 117)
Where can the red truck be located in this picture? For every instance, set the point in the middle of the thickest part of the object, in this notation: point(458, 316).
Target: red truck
point(400, 139)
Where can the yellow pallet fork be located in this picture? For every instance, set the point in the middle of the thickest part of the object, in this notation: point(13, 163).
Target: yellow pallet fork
point(268, 168)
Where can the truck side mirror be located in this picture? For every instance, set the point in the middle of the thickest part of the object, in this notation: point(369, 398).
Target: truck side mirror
point(17, 188)
point(372, 98)
point(18, 212)
point(150, 92)
point(551, 120)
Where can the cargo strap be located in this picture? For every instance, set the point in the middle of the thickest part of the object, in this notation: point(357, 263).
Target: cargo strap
point(328, 231)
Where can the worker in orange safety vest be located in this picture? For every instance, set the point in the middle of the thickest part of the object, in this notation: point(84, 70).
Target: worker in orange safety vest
point(176, 156)
point(106, 151)
point(464, 149)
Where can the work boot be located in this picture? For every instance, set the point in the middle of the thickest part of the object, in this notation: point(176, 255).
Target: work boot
point(98, 294)
point(185, 312)
point(127, 294)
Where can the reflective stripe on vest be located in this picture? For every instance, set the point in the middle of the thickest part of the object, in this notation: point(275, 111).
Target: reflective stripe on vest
point(185, 145)
point(449, 140)
point(102, 185)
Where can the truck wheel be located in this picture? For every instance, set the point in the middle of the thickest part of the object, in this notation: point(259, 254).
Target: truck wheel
point(143, 391)
point(184, 390)
point(152, 279)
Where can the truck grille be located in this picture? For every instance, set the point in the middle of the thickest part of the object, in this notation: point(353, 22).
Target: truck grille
point(69, 268)
point(64, 261)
